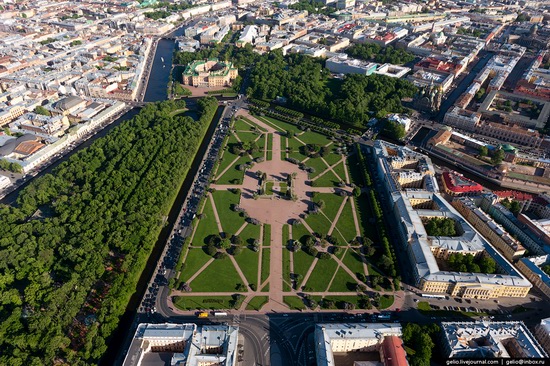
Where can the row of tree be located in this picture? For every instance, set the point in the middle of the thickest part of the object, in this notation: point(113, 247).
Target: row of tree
point(387, 258)
point(76, 241)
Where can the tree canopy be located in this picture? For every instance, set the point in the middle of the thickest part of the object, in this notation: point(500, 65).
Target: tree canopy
point(440, 226)
point(376, 53)
point(308, 86)
point(74, 245)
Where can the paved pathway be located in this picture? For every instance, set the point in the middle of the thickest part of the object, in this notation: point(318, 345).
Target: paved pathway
point(218, 222)
point(277, 212)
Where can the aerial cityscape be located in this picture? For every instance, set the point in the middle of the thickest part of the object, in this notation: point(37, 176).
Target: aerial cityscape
point(257, 182)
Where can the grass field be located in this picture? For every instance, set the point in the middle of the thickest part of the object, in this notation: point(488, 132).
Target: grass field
point(206, 226)
point(286, 269)
point(267, 235)
point(327, 180)
point(294, 302)
point(300, 233)
point(302, 262)
point(252, 123)
point(269, 188)
point(196, 258)
point(279, 125)
point(231, 221)
point(257, 303)
point(265, 265)
point(219, 276)
point(227, 157)
point(241, 125)
point(203, 302)
point(345, 224)
point(342, 282)
point(233, 175)
point(248, 262)
point(318, 164)
point(247, 136)
point(311, 137)
point(352, 260)
point(249, 233)
point(321, 275)
point(386, 301)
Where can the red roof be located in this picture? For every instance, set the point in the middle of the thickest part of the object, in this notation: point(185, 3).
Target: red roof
point(393, 352)
point(457, 183)
point(516, 195)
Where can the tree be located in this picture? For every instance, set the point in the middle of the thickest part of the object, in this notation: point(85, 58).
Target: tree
point(497, 157)
point(41, 110)
point(483, 151)
point(394, 130)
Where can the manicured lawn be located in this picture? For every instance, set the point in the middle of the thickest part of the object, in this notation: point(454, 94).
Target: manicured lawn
point(248, 136)
point(321, 275)
point(352, 260)
point(270, 141)
point(302, 262)
point(269, 188)
point(257, 303)
point(285, 235)
point(203, 302)
point(280, 125)
point(249, 233)
point(386, 301)
point(332, 204)
point(327, 180)
point(252, 123)
point(300, 233)
point(318, 164)
point(261, 144)
point(265, 288)
point(241, 125)
point(311, 137)
point(233, 175)
point(227, 157)
point(424, 305)
point(269, 155)
point(265, 264)
point(294, 302)
point(332, 159)
point(230, 221)
point(339, 169)
point(220, 276)
point(345, 224)
point(267, 235)
point(286, 269)
point(206, 226)
point(373, 271)
point(196, 258)
point(318, 223)
point(248, 262)
point(343, 282)
point(340, 299)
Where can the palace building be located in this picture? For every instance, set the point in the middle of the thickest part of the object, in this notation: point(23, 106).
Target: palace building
point(210, 73)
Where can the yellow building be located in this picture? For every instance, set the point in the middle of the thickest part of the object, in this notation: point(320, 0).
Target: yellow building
point(209, 73)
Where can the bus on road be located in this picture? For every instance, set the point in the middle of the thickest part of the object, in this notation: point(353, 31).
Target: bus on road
point(220, 313)
point(430, 296)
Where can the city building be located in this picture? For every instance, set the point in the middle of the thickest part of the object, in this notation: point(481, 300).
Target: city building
point(188, 344)
point(493, 232)
point(209, 73)
point(411, 193)
point(455, 184)
point(374, 340)
point(487, 339)
point(344, 65)
point(542, 333)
